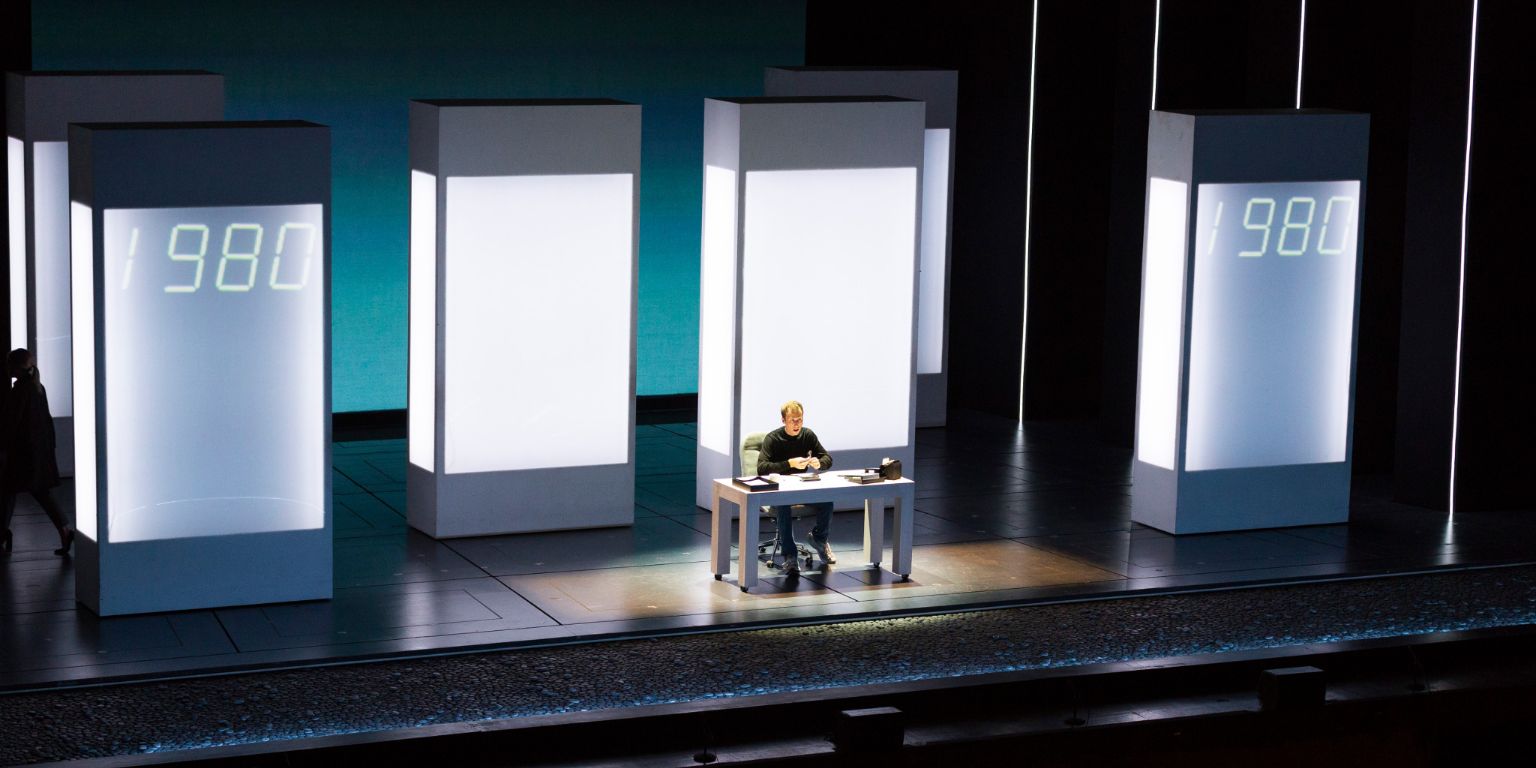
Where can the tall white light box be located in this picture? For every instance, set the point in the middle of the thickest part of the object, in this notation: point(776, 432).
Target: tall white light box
point(200, 273)
point(39, 108)
point(1249, 310)
point(808, 284)
point(524, 221)
point(939, 89)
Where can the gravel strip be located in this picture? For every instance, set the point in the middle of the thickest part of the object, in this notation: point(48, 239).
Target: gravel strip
point(137, 718)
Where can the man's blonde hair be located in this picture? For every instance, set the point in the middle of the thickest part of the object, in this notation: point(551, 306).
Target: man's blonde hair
point(791, 406)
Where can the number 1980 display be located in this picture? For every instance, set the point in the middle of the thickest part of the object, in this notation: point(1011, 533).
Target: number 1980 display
point(200, 306)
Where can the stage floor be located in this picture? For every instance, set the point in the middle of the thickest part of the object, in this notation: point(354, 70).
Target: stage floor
point(1004, 515)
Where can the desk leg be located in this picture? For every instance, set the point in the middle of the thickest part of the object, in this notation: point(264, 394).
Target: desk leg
point(901, 538)
point(720, 535)
point(746, 557)
point(874, 530)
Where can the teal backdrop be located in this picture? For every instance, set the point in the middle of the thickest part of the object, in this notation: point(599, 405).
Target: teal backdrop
point(354, 65)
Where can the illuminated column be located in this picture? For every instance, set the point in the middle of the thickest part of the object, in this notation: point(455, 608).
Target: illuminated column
point(200, 278)
point(39, 108)
point(939, 90)
point(809, 275)
point(1245, 392)
point(523, 279)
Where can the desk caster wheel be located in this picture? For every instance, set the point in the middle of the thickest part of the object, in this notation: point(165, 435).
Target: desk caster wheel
point(906, 577)
point(719, 577)
point(744, 589)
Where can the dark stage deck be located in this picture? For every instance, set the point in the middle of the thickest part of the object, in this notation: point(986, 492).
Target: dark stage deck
point(1004, 515)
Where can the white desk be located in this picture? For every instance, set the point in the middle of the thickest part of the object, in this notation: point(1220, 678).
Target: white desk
point(833, 488)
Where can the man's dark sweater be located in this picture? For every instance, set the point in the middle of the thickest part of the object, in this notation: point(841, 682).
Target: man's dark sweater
point(779, 448)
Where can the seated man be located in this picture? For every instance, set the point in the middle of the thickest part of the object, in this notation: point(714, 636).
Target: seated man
point(792, 449)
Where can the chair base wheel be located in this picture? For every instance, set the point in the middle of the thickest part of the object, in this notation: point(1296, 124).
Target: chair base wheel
point(744, 589)
point(719, 577)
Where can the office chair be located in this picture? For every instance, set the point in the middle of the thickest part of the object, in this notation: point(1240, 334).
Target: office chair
point(751, 446)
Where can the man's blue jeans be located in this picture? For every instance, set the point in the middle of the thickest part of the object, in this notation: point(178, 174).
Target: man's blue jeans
point(823, 512)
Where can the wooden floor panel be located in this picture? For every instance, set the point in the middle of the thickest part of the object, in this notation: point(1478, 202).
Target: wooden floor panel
point(614, 594)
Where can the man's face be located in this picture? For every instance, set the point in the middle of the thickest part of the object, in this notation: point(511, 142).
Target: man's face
point(793, 421)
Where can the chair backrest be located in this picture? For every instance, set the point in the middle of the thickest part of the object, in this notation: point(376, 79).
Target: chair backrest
point(751, 446)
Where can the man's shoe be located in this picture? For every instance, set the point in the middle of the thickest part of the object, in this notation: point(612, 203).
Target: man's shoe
point(791, 565)
point(824, 551)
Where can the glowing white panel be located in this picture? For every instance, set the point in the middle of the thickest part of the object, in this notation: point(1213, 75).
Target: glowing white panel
point(82, 245)
point(16, 188)
point(50, 265)
point(937, 89)
point(717, 310)
point(537, 321)
point(1272, 323)
point(933, 251)
point(1162, 315)
point(827, 270)
point(214, 355)
point(421, 409)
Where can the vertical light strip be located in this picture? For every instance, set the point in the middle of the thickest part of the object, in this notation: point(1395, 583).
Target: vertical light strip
point(1029, 198)
point(82, 307)
point(932, 251)
point(717, 312)
point(16, 186)
point(421, 352)
point(1162, 320)
point(1301, 47)
point(1461, 281)
point(1157, 31)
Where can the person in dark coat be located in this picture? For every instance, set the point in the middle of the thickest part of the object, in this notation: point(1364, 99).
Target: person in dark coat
point(26, 438)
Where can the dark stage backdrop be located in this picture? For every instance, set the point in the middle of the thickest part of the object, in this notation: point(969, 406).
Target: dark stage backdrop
point(1093, 90)
point(354, 65)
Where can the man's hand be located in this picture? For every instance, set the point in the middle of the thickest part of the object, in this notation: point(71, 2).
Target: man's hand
point(800, 463)
point(814, 462)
